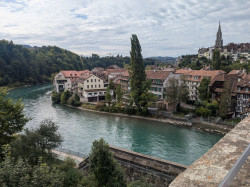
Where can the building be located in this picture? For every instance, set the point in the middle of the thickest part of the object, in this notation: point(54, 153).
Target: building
point(91, 88)
point(242, 91)
point(159, 80)
point(194, 78)
point(219, 40)
point(65, 80)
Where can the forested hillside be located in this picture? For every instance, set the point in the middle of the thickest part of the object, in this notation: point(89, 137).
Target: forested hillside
point(20, 65)
point(30, 65)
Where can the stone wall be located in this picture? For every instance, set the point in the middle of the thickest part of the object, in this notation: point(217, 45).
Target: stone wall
point(138, 166)
point(214, 165)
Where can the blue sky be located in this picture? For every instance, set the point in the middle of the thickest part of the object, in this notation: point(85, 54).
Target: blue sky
point(164, 27)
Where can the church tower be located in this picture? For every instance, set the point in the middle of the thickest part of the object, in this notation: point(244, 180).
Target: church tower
point(219, 41)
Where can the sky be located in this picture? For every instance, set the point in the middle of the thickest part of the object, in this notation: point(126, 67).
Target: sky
point(104, 27)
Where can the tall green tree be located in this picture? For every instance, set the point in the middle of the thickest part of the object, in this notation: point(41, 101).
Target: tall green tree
point(108, 96)
point(119, 93)
point(225, 100)
point(12, 118)
point(138, 82)
point(176, 91)
point(203, 89)
point(106, 170)
point(216, 59)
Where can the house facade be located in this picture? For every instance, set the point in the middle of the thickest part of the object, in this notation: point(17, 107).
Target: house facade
point(242, 91)
point(91, 88)
point(193, 79)
point(65, 80)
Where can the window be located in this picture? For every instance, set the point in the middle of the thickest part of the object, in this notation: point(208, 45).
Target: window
point(87, 86)
point(91, 86)
point(98, 80)
point(95, 80)
point(99, 86)
point(87, 80)
point(159, 89)
point(91, 80)
point(95, 86)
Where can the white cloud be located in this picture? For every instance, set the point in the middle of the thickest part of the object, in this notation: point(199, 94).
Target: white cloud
point(167, 28)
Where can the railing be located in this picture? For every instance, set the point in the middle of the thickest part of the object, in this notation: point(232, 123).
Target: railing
point(71, 152)
point(234, 170)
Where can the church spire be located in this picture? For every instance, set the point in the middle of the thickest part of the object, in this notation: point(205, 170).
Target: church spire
point(219, 41)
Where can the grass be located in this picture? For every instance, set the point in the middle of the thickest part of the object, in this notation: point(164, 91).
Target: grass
point(88, 106)
point(233, 121)
point(179, 115)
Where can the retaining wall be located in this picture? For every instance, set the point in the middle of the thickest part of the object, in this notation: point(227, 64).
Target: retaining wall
point(214, 165)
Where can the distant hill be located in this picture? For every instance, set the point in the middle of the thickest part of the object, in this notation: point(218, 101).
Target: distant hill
point(166, 60)
point(24, 65)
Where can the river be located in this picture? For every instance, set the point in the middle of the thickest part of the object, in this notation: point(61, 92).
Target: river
point(80, 128)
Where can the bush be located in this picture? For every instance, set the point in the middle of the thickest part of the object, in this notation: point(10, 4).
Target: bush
point(56, 97)
point(65, 96)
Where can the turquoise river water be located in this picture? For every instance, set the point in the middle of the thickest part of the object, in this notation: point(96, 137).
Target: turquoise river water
point(80, 128)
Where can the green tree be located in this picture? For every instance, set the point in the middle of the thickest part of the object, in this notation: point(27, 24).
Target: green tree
point(12, 118)
point(203, 89)
point(138, 83)
point(106, 170)
point(56, 97)
point(204, 112)
point(176, 91)
point(108, 96)
point(225, 100)
point(35, 143)
point(65, 96)
point(18, 172)
point(119, 93)
point(216, 59)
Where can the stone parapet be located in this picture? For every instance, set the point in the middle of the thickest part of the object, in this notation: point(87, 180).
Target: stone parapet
point(214, 165)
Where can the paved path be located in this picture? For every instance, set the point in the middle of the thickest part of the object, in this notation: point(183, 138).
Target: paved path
point(62, 155)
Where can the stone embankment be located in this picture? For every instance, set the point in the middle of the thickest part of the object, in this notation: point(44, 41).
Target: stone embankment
point(214, 165)
point(138, 166)
point(180, 122)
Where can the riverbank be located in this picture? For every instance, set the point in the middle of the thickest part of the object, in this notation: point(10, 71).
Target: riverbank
point(179, 122)
point(12, 87)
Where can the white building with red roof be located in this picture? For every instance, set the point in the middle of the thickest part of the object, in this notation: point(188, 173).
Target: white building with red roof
point(65, 80)
point(91, 88)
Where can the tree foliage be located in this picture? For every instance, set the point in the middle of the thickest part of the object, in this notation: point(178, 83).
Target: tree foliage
point(65, 96)
point(139, 85)
point(20, 173)
point(108, 96)
point(119, 93)
point(56, 97)
point(12, 118)
point(19, 64)
point(176, 91)
point(216, 59)
point(106, 170)
point(35, 143)
point(225, 100)
point(203, 89)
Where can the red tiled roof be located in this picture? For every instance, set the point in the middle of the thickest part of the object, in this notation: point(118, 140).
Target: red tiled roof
point(151, 74)
point(199, 73)
point(72, 73)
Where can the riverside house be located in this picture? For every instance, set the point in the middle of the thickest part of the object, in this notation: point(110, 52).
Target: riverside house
point(91, 88)
point(64, 80)
point(194, 78)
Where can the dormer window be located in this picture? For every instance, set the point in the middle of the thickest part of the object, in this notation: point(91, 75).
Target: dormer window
point(239, 88)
